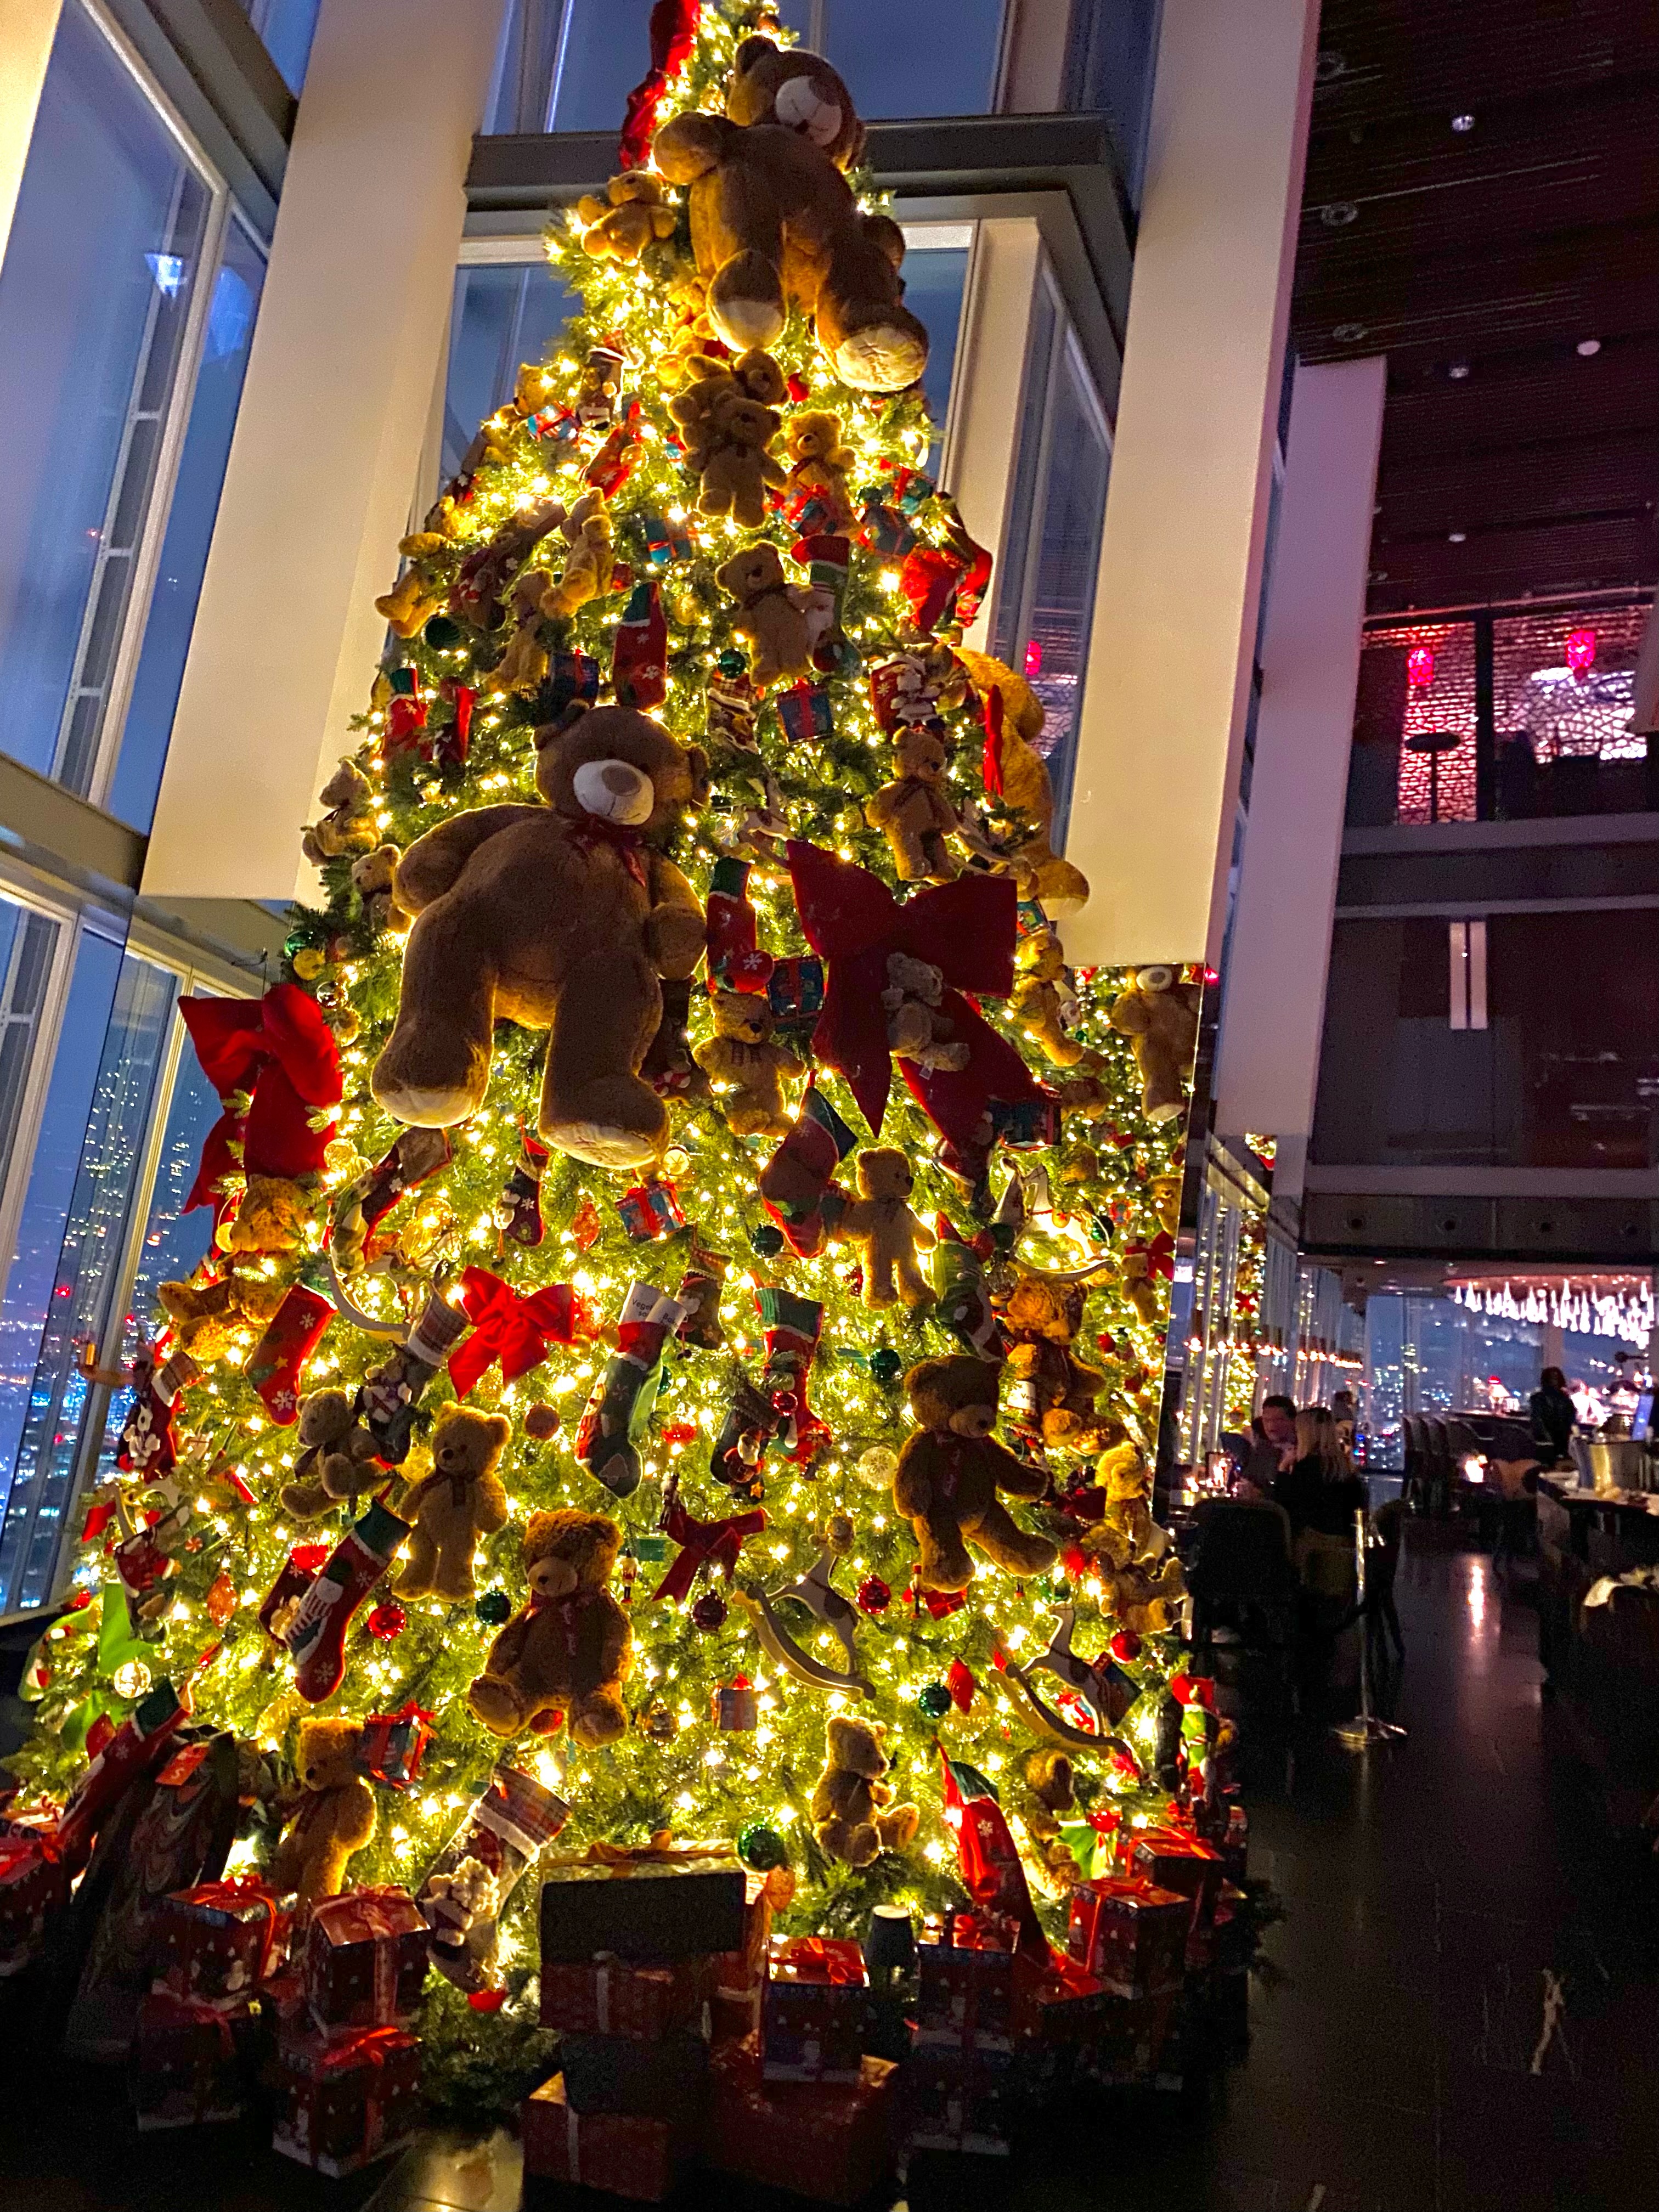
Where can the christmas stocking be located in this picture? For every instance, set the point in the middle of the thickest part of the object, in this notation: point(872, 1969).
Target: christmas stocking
point(965, 1301)
point(620, 1406)
point(735, 960)
point(827, 560)
point(316, 1634)
point(391, 1393)
point(796, 1182)
point(148, 1446)
point(700, 1294)
point(279, 1357)
point(518, 1208)
point(791, 1327)
point(417, 1154)
point(639, 659)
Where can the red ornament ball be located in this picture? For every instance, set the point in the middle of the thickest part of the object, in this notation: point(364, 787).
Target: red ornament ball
point(1124, 1646)
point(486, 2000)
point(541, 1422)
point(387, 1620)
point(708, 1613)
point(874, 1596)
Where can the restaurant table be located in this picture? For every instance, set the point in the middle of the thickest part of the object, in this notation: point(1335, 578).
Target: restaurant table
point(1603, 1658)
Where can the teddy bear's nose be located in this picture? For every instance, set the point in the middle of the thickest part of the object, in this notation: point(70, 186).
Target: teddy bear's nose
point(800, 105)
point(615, 791)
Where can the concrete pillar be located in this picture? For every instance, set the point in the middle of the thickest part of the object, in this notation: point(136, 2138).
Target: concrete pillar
point(28, 28)
point(1174, 616)
point(325, 457)
point(1272, 1015)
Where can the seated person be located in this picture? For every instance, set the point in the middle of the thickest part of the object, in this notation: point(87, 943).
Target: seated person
point(1274, 1449)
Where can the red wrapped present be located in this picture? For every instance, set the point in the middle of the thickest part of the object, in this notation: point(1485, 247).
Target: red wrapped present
point(219, 1942)
point(619, 2151)
point(345, 2100)
point(1055, 2000)
point(366, 1959)
point(1129, 2042)
point(1174, 1858)
point(33, 1885)
point(961, 2100)
point(392, 1746)
point(965, 1972)
point(1130, 1935)
point(830, 2141)
point(1235, 1844)
point(188, 2062)
point(814, 2004)
point(742, 1970)
point(608, 1995)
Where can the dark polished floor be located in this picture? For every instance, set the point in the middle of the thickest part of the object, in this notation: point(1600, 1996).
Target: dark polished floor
point(1460, 2010)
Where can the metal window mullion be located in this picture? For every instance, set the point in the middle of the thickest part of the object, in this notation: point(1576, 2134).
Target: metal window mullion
point(951, 430)
point(1040, 487)
point(32, 1106)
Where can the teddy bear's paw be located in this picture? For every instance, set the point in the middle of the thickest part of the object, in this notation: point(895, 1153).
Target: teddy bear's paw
point(883, 356)
point(497, 1704)
point(746, 303)
point(618, 1123)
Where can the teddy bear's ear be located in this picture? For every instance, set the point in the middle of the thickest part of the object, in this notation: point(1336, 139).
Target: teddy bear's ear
point(752, 51)
point(696, 760)
point(549, 731)
point(499, 1429)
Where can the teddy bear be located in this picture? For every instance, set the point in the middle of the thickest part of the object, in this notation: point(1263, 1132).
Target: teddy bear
point(750, 1069)
point(708, 381)
point(589, 534)
point(1126, 1531)
point(1145, 1601)
point(1042, 998)
point(1041, 874)
point(562, 917)
point(890, 1235)
point(571, 1645)
point(1161, 1014)
point(1164, 1192)
point(951, 1470)
point(207, 1318)
point(736, 466)
point(371, 878)
point(337, 1457)
point(1046, 1793)
point(1141, 1579)
point(771, 614)
point(332, 1817)
point(818, 465)
point(271, 1217)
point(458, 1501)
point(913, 810)
point(1054, 1392)
point(349, 824)
point(1138, 1285)
point(916, 1029)
point(774, 222)
point(623, 223)
point(411, 604)
point(853, 1816)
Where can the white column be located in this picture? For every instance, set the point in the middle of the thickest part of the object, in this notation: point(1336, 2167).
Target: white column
point(1272, 1015)
point(1174, 615)
point(325, 457)
point(982, 442)
point(28, 28)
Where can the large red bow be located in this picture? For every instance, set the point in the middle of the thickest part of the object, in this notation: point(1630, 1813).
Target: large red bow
point(517, 1327)
point(280, 1050)
point(1159, 1255)
point(715, 1543)
point(673, 32)
point(966, 929)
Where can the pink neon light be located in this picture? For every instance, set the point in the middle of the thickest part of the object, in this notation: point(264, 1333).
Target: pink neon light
point(1034, 657)
point(1419, 667)
point(1581, 650)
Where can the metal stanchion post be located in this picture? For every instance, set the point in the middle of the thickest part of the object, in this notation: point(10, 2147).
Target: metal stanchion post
point(1366, 1728)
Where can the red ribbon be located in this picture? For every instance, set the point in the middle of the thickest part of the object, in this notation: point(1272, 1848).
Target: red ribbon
point(372, 2045)
point(516, 1327)
point(233, 1896)
point(1159, 1255)
point(825, 1959)
point(674, 32)
point(593, 831)
point(712, 1543)
point(280, 1050)
point(991, 766)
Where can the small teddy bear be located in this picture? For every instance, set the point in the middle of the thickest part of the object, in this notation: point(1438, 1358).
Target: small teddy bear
point(633, 212)
point(772, 615)
point(1047, 1796)
point(207, 1318)
point(916, 1029)
point(1161, 1014)
point(913, 812)
point(570, 1646)
point(1054, 1392)
point(1126, 1533)
point(1138, 1285)
point(337, 1457)
point(271, 1217)
point(748, 1069)
point(737, 465)
point(951, 1470)
point(372, 878)
point(1164, 1192)
point(460, 1500)
point(588, 531)
point(1027, 790)
point(819, 465)
point(853, 1816)
point(333, 1816)
point(411, 604)
point(348, 826)
point(879, 1221)
point(1042, 1000)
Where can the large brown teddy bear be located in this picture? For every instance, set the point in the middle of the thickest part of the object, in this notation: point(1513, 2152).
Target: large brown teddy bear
point(881, 1223)
point(562, 917)
point(460, 1500)
point(771, 614)
point(913, 811)
point(774, 222)
point(571, 1645)
point(1161, 1014)
point(951, 1470)
point(1040, 998)
point(337, 1456)
point(853, 1816)
point(334, 1815)
point(747, 1068)
point(1054, 1392)
point(1039, 870)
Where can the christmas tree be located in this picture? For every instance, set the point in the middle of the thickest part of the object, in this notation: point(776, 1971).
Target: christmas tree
point(618, 1235)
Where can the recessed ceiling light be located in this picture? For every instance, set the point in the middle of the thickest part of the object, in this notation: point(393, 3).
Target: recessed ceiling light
point(1338, 213)
point(1588, 348)
point(1349, 333)
point(1458, 371)
point(1456, 537)
point(1462, 123)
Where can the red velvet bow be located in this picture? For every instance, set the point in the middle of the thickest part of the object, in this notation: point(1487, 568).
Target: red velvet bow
point(593, 830)
point(673, 32)
point(280, 1050)
point(1159, 1255)
point(824, 1959)
point(514, 1326)
point(991, 764)
point(715, 1543)
point(966, 929)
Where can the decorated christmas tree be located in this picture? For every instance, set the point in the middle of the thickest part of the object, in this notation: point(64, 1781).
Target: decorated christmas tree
point(684, 1329)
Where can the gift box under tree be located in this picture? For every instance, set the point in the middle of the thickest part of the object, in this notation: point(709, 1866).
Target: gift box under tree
point(965, 1978)
point(1130, 1935)
point(33, 1886)
point(608, 1995)
point(660, 2080)
point(190, 2063)
point(344, 2101)
point(219, 1942)
point(830, 2141)
point(625, 2153)
point(961, 2100)
point(1174, 1858)
point(365, 1958)
point(813, 2005)
point(658, 1903)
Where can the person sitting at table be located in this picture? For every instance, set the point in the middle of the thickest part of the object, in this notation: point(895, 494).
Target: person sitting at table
point(1273, 1451)
point(1319, 1489)
point(1554, 1416)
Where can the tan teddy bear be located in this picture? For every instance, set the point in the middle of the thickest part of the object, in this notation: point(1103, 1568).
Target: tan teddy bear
point(460, 1500)
point(208, 1319)
point(1046, 1796)
point(1125, 1531)
point(622, 225)
point(916, 1029)
point(1164, 1191)
point(913, 811)
point(771, 614)
point(271, 1217)
point(571, 1645)
point(819, 463)
point(588, 531)
point(1161, 1014)
point(413, 600)
point(371, 878)
point(337, 1457)
point(348, 825)
point(1041, 997)
point(333, 1817)
point(1054, 1392)
point(853, 1816)
point(735, 464)
point(747, 1068)
point(951, 1470)
point(887, 1232)
point(1040, 871)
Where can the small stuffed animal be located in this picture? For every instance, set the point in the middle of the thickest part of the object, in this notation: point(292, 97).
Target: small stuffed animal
point(371, 878)
point(1126, 1533)
point(1054, 1393)
point(334, 1815)
point(913, 811)
point(1041, 997)
point(891, 1234)
point(737, 465)
point(771, 614)
point(819, 463)
point(747, 1068)
point(1161, 1015)
point(1138, 1285)
point(271, 1217)
point(916, 1029)
point(460, 1500)
point(709, 383)
point(207, 1318)
point(1040, 871)
point(1164, 1191)
point(349, 824)
point(853, 1816)
point(622, 225)
point(411, 604)
point(1146, 1602)
point(337, 1457)
point(1047, 1794)
point(571, 1645)
point(951, 1470)
point(588, 530)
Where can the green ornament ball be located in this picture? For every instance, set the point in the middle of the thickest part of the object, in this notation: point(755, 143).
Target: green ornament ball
point(442, 634)
point(760, 1847)
point(934, 1702)
point(494, 1609)
point(766, 1240)
point(885, 1364)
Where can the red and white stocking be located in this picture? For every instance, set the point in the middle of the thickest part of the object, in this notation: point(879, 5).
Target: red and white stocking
point(295, 1331)
point(316, 1634)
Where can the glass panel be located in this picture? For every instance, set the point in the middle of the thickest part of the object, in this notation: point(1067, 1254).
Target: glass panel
point(88, 1261)
point(1114, 51)
point(604, 50)
point(934, 280)
point(94, 294)
point(525, 63)
point(928, 57)
point(504, 313)
point(1562, 687)
point(27, 942)
point(195, 503)
point(1009, 612)
point(286, 27)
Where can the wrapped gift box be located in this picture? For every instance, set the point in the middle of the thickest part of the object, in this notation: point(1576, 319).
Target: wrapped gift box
point(365, 1958)
point(830, 2141)
point(1055, 2000)
point(33, 1885)
point(958, 2100)
point(624, 2153)
point(812, 2011)
point(744, 1969)
point(188, 2063)
point(614, 1997)
point(661, 2080)
point(1130, 1935)
point(684, 1905)
point(1129, 2042)
point(965, 1977)
point(344, 2101)
point(1235, 1844)
point(219, 1942)
point(1174, 1858)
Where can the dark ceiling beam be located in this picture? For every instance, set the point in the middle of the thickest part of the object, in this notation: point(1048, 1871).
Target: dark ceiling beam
point(1500, 565)
point(1511, 401)
point(1562, 476)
